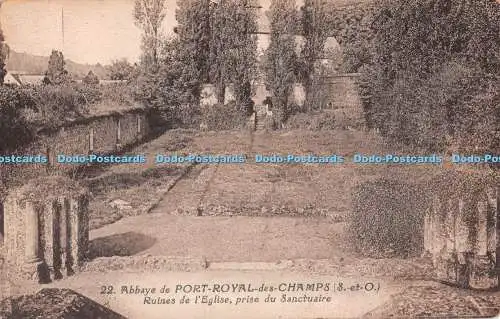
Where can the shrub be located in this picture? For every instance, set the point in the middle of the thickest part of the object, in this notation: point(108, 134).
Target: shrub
point(60, 102)
point(388, 218)
point(431, 87)
point(91, 79)
point(223, 117)
point(119, 94)
point(312, 121)
point(14, 129)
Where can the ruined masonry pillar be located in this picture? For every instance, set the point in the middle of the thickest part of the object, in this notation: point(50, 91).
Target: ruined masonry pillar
point(462, 232)
point(47, 229)
point(32, 241)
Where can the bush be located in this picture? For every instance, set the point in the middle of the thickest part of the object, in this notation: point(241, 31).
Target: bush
point(223, 117)
point(434, 87)
point(60, 102)
point(312, 121)
point(119, 94)
point(388, 218)
point(14, 129)
point(91, 79)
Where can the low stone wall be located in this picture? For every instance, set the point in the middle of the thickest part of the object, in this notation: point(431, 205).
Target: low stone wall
point(103, 134)
point(462, 230)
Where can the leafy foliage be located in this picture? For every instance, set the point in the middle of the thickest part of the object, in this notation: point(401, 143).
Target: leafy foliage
point(388, 218)
point(223, 117)
point(233, 50)
point(91, 79)
point(120, 70)
point(13, 126)
point(149, 16)
point(435, 87)
point(315, 122)
point(56, 72)
point(173, 88)
point(213, 44)
point(280, 60)
point(352, 28)
point(4, 50)
point(194, 31)
point(315, 31)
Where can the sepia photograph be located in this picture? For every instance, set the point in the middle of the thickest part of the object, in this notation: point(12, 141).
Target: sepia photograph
point(249, 159)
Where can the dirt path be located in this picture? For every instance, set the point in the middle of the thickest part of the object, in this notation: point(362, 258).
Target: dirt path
point(237, 239)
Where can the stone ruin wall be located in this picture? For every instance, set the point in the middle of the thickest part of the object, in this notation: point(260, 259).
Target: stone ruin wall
point(46, 232)
point(462, 233)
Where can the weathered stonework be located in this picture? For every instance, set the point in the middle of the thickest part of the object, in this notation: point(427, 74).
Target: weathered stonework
point(462, 234)
point(46, 229)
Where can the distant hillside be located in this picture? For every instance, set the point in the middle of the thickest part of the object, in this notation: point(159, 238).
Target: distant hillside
point(33, 64)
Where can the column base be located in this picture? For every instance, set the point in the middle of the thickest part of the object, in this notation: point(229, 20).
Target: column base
point(34, 270)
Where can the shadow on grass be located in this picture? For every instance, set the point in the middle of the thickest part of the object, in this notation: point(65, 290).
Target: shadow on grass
point(125, 244)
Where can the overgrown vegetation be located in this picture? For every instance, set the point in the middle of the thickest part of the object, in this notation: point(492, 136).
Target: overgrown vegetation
point(91, 79)
point(56, 73)
point(14, 127)
point(121, 70)
point(219, 50)
point(4, 50)
point(388, 218)
point(433, 88)
point(313, 121)
point(352, 28)
point(315, 31)
point(438, 87)
point(223, 117)
point(280, 60)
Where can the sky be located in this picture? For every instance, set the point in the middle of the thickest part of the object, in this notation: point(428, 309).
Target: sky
point(95, 31)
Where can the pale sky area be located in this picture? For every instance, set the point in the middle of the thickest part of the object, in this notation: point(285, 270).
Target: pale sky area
point(94, 30)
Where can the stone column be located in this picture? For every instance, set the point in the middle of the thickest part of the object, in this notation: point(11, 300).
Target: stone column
point(91, 140)
point(32, 235)
point(118, 134)
point(48, 229)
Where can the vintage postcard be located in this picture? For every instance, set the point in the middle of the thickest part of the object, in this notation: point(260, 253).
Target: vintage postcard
point(250, 159)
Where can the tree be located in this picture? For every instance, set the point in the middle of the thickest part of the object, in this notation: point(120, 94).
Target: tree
point(14, 127)
point(149, 16)
point(233, 50)
point(431, 87)
point(120, 70)
point(280, 58)
point(171, 93)
point(91, 78)
point(315, 31)
point(56, 72)
point(4, 52)
point(193, 30)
